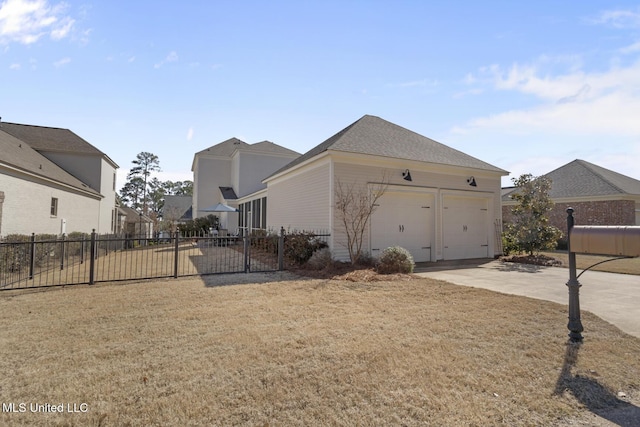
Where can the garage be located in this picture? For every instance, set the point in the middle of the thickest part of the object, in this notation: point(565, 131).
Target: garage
point(465, 227)
point(404, 219)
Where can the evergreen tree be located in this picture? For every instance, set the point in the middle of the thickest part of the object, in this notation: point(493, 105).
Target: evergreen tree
point(530, 230)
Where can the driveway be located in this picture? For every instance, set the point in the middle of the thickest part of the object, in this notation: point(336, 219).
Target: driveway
point(613, 297)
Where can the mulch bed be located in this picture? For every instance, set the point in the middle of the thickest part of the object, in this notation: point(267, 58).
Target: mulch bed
point(538, 259)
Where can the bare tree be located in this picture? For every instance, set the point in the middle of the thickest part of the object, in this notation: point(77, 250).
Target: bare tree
point(354, 206)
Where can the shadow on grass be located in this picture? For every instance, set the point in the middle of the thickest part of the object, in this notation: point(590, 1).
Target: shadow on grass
point(593, 395)
point(231, 279)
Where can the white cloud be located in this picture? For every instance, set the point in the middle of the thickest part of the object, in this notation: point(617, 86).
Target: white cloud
point(15, 66)
point(172, 57)
point(635, 47)
point(26, 21)
point(619, 18)
point(577, 101)
point(62, 62)
point(190, 134)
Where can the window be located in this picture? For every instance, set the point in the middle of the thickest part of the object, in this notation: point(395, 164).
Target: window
point(114, 181)
point(54, 206)
point(264, 212)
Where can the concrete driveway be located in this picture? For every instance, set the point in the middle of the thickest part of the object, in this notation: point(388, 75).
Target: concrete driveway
point(613, 297)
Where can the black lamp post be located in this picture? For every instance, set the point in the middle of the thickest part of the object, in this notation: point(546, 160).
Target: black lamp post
point(575, 325)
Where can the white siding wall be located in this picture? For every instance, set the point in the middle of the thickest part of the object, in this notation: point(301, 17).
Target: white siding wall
point(441, 181)
point(301, 202)
point(253, 168)
point(108, 203)
point(211, 173)
point(27, 208)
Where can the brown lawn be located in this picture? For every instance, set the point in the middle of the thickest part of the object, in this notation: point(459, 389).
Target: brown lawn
point(275, 349)
point(623, 266)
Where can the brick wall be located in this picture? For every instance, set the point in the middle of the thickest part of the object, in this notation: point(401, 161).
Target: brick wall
point(610, 212)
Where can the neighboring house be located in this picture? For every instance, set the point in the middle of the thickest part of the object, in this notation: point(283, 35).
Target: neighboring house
point(228, 171)
point(440, 204)
point(598, 196)
point(52, 181)
point(176, 210)
point(136, 224)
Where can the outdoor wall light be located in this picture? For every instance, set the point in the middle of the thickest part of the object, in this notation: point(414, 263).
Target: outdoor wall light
point(406, 175)
point(472, 181)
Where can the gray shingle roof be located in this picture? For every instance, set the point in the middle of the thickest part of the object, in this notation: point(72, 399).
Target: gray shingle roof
point(375, 136)
point(42, 138)
point(225, 148)
point(228, 193)
point(270, 147)
point(178, 206)
point(580, 178)
point(20, 155)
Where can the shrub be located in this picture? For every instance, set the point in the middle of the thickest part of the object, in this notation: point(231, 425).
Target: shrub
point(395, 260)
point(299, 246)
point(320, 259)
point(366, 260)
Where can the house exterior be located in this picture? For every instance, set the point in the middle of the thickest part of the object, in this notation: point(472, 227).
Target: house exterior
point(231, 170)
point(176, 210)
point(440, 203)
point(599, 196)
point(52, 181)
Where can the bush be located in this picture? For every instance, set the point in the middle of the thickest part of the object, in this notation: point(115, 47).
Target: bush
point(299, 246)
point(395, 260)
point(320, 259)
point(366, 260)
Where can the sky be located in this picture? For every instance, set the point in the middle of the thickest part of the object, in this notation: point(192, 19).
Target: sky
point(524, 86)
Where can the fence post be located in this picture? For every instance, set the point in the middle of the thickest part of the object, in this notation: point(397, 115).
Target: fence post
point(32, 255)
point(92, 257)
point(62, 251)
point(281, 250)
point(245, 240)
point(175, 256)
point(574, 325)
point(82, 249)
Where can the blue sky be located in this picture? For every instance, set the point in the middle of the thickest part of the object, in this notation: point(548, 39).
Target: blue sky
point(525, 86)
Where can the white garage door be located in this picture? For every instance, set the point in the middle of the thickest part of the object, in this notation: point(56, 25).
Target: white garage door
point(464, 227)
point(406, 220)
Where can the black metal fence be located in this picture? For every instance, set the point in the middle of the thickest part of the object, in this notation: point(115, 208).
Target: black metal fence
point(89, 259)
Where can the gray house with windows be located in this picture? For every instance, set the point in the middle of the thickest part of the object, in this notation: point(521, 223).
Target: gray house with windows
point(52, 181)
point(231, 173)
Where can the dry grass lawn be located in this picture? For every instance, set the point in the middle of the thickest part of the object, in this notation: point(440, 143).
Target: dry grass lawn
point(306, 352)
point(622, 266)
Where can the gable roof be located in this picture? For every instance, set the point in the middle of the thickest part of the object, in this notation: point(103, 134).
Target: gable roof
point(49, 139)
point(270, 147)
point(375, 136)
point(580, 178)
point(225, 148)
point(19, 155)
point(180, 206)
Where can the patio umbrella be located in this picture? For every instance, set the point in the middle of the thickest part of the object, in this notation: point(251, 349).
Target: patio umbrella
point(220, 207)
